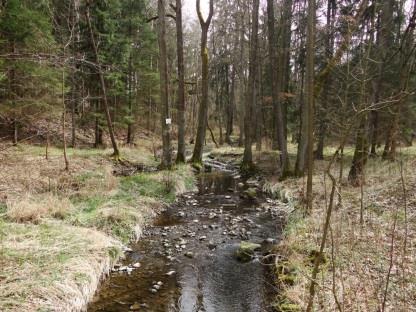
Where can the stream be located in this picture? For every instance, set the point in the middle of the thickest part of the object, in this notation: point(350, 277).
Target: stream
point(186, 260)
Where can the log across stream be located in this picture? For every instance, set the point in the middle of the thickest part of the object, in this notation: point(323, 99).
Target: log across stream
point(186, 261)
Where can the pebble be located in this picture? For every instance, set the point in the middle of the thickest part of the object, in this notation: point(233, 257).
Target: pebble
point(212, 215)
point(212, 245)
point(202, 238)
point(170, 273)
point(135, 307)
point(189, 254)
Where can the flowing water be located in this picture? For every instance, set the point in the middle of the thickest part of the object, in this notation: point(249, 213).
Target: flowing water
point(187, 258)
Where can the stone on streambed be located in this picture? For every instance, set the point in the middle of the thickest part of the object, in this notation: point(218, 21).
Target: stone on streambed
point(135, 307)
point(250, 193)
point(189, 254)
point(246, 251)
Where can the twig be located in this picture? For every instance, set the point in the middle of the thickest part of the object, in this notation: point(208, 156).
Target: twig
point(393, 236)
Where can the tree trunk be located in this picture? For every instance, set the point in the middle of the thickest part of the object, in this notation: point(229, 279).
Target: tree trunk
point(130, 103)
point(310, 87)
point(278, 135)
point(330, 15)
point(164, 88)
point(230, 109)
point(285, 59)
point(64, 120)
point(73, 120)
point(247, 164)
point(116, 152)
point(203, 108)
point(355, 176)
point(180, 158)
point(98, 129)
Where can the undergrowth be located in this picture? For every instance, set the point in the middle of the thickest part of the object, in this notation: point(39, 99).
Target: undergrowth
point(357, 257)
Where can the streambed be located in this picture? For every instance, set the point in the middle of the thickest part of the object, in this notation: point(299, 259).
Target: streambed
point(186, 260)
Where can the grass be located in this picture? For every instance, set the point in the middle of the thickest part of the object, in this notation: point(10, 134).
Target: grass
point(357, 257)
point(61, 231)
point(51, 265)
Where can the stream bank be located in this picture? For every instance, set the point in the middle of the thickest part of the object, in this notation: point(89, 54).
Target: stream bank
point(187, 260)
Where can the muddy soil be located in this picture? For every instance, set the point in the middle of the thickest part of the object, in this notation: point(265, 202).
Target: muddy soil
point(186, 260)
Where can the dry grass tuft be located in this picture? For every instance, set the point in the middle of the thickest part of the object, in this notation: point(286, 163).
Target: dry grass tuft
point(33, 208)
point(51, 266)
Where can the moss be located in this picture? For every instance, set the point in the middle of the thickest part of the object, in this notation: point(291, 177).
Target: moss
point(289, 307)
point(197, 166)
point(246, 251)
point(251, 193)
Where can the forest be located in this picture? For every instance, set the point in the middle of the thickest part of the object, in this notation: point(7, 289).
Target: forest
point(214, 155)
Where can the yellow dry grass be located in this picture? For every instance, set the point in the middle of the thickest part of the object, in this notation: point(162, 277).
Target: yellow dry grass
point(32, 208)
point(52, 266)
point(358, 256)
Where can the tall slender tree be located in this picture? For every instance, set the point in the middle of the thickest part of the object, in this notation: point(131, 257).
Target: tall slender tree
point(116, 152)
point(247, 164)
point(310, 87)
point(180, 158)
point(164, 88)
point(203, 107)
point(278, 121)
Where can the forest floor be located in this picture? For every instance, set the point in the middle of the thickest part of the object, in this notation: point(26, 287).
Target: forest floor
point(364, 264)
point(61, 231)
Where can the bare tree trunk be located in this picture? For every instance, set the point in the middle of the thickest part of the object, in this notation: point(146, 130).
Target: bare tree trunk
point(164, 89)
point(230, 109)
point(64, 120)
point(203, 109)
point(247, 164)
point(130, 103)
point(73, 122)
point(310, 87)
point(98, 130)
point(116, 152)
point(331, 11)
point(360, 155)
point(180, 158)
point(278, 135)
point(285, 61)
